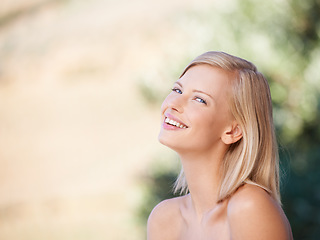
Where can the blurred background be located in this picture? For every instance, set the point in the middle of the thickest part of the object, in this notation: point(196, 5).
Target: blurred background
point(81, 84)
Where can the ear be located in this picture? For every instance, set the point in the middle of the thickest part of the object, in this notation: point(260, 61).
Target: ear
point(232, 134)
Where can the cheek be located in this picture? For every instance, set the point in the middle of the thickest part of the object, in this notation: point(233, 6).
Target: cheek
point(209, 127)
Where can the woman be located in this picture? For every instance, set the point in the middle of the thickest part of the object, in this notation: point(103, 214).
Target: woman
point(218, 118)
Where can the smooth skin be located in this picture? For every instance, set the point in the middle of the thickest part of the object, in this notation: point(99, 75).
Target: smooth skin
point(199, 100)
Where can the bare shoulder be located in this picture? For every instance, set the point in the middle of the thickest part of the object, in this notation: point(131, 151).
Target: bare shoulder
point(254, 214)
point(165, 219)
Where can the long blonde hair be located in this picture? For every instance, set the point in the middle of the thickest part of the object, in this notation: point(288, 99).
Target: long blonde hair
point(254, 158)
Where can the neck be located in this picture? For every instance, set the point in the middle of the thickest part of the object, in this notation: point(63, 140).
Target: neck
point(202, 172)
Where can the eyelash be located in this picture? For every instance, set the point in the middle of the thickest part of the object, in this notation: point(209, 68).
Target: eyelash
point(177, 90)
point(201, 100)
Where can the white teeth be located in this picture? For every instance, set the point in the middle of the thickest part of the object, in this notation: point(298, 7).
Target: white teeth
point(174, 123)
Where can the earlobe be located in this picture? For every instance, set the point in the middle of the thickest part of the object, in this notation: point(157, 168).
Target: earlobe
point(232, 134)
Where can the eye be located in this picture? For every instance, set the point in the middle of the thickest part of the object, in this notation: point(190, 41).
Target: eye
point(200, 100)
point(177, 90)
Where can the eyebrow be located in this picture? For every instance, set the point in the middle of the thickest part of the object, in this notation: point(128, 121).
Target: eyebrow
point(198, 91)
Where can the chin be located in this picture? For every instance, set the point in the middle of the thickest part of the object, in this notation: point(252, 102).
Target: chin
point(166, 141)
point(170, 143)
point(162, 139)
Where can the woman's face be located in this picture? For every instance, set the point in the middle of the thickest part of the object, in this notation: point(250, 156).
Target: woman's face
point(196, 113)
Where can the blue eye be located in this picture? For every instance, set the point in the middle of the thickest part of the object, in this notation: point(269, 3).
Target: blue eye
point(200, 100)
point(177, 90)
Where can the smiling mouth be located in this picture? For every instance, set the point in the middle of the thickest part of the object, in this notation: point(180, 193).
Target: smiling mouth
point(174, 123)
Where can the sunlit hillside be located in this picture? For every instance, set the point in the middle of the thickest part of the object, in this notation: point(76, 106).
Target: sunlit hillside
point(75, 132)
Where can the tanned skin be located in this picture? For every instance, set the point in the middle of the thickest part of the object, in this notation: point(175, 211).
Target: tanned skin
point(199, 103)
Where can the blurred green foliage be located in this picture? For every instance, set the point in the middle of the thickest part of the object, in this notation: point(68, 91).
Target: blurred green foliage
point(158, 186)
point(283, 39)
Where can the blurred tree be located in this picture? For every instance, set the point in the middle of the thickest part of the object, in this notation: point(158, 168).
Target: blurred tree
point(301, 193)
point(158, 184)
point(282, 39)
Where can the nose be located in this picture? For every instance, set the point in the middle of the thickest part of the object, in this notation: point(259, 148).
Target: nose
point(175, 102)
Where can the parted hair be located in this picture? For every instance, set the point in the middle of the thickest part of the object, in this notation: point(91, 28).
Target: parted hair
point(254, 158)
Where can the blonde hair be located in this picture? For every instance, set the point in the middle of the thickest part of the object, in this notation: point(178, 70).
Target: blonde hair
point(254, 158)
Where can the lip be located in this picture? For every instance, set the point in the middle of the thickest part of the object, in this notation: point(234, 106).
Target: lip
point(171, 127)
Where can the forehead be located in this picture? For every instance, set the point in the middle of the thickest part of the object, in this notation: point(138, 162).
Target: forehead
point(206, 78)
